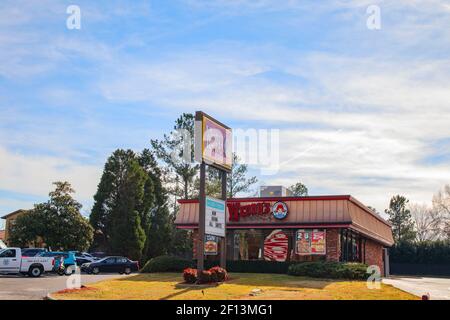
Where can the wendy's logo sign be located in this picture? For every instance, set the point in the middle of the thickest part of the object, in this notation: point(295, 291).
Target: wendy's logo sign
point(237, 211)
point(280, 210)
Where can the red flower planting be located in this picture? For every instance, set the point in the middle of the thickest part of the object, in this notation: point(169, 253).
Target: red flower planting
point(218, 274)
point(205, 277)
point(190, 275)
point(213, 275)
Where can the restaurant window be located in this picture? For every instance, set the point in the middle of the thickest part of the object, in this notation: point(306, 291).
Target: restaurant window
point(249, 244)
point(352, 246)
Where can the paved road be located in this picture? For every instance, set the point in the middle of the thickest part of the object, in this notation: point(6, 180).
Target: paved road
point(26, 288)
point(438, 288)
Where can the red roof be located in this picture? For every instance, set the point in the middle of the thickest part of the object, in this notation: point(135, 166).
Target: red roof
point(326, 211)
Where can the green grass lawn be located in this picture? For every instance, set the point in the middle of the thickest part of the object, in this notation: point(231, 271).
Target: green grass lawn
point(164, 286)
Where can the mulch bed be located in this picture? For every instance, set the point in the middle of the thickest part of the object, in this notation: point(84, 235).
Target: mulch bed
point(82, 288)
point(206, 285)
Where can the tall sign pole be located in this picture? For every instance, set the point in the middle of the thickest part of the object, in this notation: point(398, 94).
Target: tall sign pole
point(212, 147)
point(201, 219)
point(223, 241)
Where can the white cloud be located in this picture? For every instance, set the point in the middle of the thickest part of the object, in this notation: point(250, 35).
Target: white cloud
point(370, 116)
point(34, 175)
point(375, 119)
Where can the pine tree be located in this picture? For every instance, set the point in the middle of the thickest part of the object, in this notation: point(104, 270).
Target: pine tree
point(237, 180)
point(171, 150)
point(400, 217)
point(159, 226)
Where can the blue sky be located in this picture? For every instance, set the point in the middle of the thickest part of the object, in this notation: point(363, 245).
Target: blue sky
point(361, 112)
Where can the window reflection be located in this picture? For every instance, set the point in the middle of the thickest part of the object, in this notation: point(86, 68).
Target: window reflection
point(248, 244)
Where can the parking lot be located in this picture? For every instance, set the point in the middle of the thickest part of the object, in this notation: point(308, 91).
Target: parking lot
point(26, 288)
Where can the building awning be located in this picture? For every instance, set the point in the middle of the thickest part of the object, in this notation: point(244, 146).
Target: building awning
point(303, 212)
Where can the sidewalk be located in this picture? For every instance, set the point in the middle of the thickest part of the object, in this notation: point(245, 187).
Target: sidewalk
point(438, 288)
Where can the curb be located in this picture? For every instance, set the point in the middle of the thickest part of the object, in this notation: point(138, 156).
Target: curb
point(49, 297)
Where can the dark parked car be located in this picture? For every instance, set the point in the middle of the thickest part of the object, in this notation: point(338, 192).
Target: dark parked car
point(110, 265)
point(32, 252)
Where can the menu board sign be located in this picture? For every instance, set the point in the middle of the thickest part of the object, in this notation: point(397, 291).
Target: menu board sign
point(310, 242)
point(215, 217)
point(303, 242)
point(318, 242)
point(211, 245)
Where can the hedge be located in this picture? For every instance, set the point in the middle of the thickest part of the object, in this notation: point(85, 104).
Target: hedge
point(311, 269)
point(426, 252)
point(166, 264)
point(333, 270)
point(419, 269)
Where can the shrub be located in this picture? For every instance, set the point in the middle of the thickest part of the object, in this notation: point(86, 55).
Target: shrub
point(166, 264)
point(205, 277)
point(334, 270)
point(215, 274)
point(218, 274)
point(190, 275)
point(425, 252)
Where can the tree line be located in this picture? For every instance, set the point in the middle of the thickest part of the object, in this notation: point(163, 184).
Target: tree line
point(421, 233)
point(419, 223)
point(135, 204)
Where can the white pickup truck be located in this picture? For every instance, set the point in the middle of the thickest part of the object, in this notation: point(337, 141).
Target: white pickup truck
point(12, 262)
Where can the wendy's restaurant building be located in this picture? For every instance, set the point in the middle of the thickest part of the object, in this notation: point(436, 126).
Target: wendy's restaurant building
point(312, 228)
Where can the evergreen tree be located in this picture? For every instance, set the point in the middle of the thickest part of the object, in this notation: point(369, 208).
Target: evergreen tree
point(237, 180)
point(130, 212)
point(126, 230)
point(152, 188)
point(118, 214)
point(171, 150)
point(401, 220)
point(160, 221)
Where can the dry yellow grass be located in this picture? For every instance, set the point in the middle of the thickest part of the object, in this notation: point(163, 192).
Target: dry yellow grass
point(274, 286)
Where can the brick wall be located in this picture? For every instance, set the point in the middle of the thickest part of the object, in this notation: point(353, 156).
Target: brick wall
point(333, 245)
point(374, 254)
